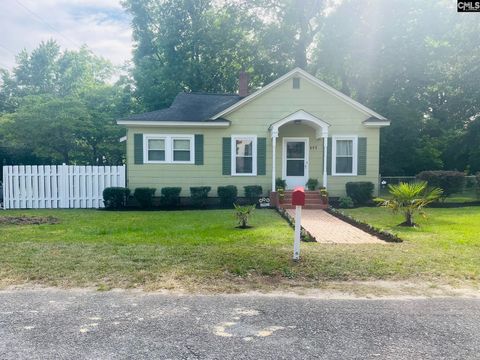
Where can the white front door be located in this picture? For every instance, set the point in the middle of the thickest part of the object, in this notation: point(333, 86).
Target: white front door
point(295, 161)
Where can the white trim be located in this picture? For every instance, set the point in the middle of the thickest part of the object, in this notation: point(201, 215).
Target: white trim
point(312, 79)
point(354, 154)
point(233, 158)
point(169, 138)
point(274, 160)
point(319, 125)
point(196, 124)
point(306, 160)
point(376, 123)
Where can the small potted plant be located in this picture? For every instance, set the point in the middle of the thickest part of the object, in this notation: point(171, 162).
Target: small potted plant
point(324, 195)
point(312, 184)
point(280, 185)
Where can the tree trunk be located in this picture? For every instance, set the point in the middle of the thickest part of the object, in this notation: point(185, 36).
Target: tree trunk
point(409, 218)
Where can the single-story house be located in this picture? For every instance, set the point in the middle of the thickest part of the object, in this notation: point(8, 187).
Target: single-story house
point(296, 128)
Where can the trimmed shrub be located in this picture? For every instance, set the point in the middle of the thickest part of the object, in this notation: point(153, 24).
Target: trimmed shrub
point(312, 184)
point(227, 195)
point(199, 195)
point(115, 197)
point(144, 197)
point(280, 183)
point(170, 197)
point(345, 202)
point(253, 193)
point(449, 181)
point(361, 192)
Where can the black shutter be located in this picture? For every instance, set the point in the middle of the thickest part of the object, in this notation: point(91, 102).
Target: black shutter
point(329, 156)
point(261, 156)
point(138, 149)
point(362, 156)
point(227, 156)
point(198, 149)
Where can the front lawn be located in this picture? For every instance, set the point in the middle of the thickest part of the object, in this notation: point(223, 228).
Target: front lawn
point(201, 250)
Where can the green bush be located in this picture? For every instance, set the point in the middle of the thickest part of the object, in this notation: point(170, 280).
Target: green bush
point(144, 197)
point(253, 193)
point(170, 197)
point(312, 184)
point(227, 195)
point(280, 183)
point(115, 197)
point(345, 202)
point(361, 192)
point(449, 181)
point(199, 195)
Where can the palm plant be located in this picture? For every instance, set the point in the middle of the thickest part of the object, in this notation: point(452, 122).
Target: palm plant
point(243, 213)
point(409, 199)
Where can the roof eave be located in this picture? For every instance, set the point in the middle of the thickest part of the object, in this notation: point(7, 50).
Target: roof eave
point(156, 123)
point(374, 122)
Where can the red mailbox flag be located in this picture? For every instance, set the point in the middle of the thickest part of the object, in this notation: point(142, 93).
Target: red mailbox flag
point(298, 196)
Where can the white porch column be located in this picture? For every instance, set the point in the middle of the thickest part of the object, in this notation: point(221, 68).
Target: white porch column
point(274, 133)
point(325, 157)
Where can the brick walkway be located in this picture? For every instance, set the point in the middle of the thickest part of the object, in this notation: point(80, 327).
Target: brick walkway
point(326, 228)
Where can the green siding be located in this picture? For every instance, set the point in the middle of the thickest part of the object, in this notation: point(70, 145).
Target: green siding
point(362, 156)
point(262, 156)
point(254, 119)
point(198, 149)
point(138, 148)
point(227, 156)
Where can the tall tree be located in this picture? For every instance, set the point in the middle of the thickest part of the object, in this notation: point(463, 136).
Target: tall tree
point(66, 100)
point(188, 45)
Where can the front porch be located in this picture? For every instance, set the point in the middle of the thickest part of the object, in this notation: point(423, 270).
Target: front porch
point(299, 152)
point(313, 200)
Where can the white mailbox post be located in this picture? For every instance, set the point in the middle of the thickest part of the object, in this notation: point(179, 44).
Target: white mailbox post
point(298, 200)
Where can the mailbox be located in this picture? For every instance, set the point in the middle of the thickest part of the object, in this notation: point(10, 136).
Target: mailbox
point(298, 196)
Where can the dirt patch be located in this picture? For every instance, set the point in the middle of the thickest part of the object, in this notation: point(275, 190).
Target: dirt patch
point(28, 220)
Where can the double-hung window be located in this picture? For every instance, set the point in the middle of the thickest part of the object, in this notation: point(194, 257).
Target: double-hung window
point(156, 149)
point(169, 149)
point(244, 155)
point(182, 149)
point(344, 155)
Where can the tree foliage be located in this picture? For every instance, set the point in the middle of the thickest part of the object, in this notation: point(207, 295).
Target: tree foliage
point(58, 106)
point(413, 61)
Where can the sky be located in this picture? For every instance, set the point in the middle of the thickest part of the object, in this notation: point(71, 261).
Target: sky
point(100, 24)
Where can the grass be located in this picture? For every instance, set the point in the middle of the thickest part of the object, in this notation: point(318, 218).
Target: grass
point(202, 250)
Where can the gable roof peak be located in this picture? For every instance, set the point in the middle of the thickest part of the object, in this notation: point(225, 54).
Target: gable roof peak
point(329, 89)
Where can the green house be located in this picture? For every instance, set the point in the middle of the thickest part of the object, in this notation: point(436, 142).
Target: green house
point(296, 128)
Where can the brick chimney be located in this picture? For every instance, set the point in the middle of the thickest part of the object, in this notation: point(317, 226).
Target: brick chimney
point(243, 84)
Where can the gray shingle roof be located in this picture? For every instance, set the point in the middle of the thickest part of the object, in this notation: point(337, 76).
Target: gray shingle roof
point(190, 107)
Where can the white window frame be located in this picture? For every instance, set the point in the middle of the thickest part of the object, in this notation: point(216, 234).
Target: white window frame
point(353, 138)
point(169, 138)
point(233, 159)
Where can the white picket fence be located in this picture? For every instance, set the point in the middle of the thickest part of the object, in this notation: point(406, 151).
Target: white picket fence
point(63, 186)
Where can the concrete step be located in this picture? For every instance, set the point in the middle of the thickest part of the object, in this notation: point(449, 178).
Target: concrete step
point(307, 206)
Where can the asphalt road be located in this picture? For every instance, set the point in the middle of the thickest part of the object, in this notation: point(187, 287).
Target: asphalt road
point(59, 324)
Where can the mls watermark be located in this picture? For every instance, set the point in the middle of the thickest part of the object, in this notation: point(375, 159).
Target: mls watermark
point(468, 6)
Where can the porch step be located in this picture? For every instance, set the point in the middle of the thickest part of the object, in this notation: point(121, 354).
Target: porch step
point(307, 206)
point(313, 200)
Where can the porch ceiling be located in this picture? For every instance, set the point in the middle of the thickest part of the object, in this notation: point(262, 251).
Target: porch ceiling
point(320, 126)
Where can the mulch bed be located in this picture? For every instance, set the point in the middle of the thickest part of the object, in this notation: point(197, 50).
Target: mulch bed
point(28, 220)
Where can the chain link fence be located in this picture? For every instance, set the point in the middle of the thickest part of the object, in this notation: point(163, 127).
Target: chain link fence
point(469, 193)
